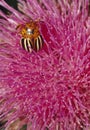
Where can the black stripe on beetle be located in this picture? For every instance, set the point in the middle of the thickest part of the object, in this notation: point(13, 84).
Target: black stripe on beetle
point(38, 43)
point(26, 44)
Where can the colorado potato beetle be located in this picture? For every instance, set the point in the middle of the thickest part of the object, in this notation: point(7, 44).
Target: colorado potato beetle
point(30, 36)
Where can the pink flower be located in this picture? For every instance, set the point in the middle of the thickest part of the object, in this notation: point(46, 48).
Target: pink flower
point(48, 89)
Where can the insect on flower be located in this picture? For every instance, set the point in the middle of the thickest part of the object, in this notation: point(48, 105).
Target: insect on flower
point(30, 36)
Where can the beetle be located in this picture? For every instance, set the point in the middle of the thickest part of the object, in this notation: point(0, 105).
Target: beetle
point(30, 36)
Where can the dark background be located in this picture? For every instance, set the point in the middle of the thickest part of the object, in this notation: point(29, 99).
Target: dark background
point(12, 3)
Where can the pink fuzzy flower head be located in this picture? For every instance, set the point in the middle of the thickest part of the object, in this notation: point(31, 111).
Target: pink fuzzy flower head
point(48, 89)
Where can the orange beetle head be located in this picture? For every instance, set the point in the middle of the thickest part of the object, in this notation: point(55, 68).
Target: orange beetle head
point(29, 30)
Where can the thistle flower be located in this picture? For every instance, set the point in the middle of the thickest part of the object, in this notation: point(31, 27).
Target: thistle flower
point(48, 89)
